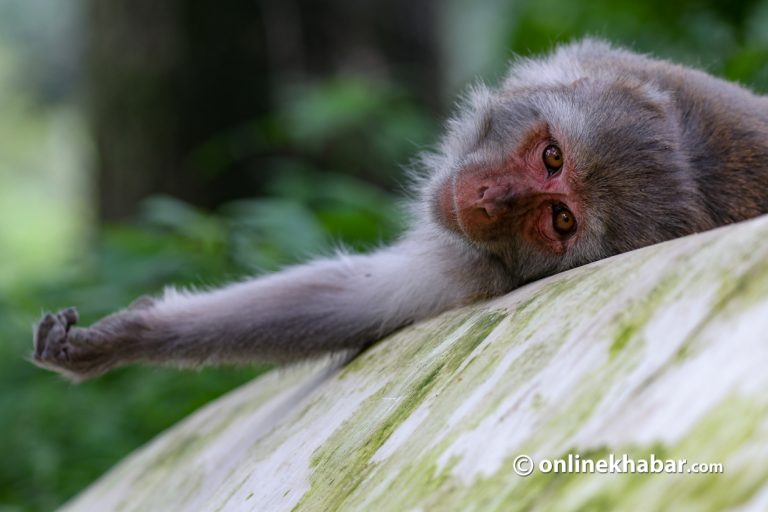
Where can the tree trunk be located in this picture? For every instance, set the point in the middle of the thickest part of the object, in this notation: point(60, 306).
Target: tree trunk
point(172, 83)
point(659, 354)
point(163, 78)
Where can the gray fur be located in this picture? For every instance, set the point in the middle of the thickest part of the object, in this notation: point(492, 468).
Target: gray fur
point(662, 151)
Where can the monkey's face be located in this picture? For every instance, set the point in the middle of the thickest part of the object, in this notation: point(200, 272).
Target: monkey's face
point(528, 192)
point(551, 177)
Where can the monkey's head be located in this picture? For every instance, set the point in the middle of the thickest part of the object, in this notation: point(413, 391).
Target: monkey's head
point(548, 177)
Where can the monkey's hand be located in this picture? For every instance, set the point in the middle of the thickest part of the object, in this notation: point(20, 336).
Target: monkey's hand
point(328, 306)
point(79, 353)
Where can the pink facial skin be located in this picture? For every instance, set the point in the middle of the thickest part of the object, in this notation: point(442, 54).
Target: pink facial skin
point(514, 199)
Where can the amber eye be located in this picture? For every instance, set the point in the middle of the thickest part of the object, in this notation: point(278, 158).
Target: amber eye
point(553, 159)
point(563, 220)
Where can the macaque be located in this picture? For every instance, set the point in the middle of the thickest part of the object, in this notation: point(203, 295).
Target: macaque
point(584, 153)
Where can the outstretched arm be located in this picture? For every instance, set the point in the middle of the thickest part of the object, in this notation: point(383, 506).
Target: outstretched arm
point(326, 306)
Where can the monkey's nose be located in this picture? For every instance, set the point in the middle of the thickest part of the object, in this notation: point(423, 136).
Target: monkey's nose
point(494, 200)
point(484, 209)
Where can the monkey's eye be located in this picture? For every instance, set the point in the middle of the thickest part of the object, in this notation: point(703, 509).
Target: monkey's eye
point(563, 220)
point(553, 159)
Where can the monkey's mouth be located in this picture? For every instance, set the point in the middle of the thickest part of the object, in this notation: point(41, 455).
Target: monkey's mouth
point(445, 208)
point(478, 213)
point(471, 217)
point(498, 216)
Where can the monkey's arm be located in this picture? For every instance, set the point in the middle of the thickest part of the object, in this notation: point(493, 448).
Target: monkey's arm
point(325, 306)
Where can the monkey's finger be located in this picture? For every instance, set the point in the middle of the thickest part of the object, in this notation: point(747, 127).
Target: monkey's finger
point(41, 333)
point(69, 316)
point(54, 342)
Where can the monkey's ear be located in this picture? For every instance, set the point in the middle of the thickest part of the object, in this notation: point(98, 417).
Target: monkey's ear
point(642, 93)
point(651, 96)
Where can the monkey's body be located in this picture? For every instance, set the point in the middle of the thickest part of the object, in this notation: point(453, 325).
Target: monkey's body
point(583, 154)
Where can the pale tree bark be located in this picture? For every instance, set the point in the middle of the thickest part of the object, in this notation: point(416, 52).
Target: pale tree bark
point(659, 354)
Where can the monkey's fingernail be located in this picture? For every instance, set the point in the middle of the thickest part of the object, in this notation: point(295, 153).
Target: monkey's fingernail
point(70, 315)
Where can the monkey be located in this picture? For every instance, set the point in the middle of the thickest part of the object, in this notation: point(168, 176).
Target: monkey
point(586, 152)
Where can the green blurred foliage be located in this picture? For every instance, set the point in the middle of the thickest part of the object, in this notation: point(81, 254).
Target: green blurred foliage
point(57, 436)
point(334, 147)
point(355, 125)
point(727, 38)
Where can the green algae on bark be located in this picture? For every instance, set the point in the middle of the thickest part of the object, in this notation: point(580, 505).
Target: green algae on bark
point(660, 351)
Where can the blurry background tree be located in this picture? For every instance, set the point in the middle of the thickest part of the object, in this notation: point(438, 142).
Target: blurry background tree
point(145, 143)
point(209, 104)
